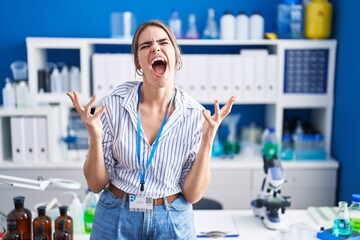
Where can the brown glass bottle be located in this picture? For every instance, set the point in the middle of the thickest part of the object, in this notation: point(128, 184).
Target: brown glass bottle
point(22, 216)
point(61, 233)
point(44, 221)
point(39, 233)
point(12, 233)
point(68, 221)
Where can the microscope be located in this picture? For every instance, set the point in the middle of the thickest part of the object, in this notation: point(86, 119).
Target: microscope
point(270, 202)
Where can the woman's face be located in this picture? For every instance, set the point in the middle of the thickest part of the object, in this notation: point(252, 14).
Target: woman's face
point(156, 56)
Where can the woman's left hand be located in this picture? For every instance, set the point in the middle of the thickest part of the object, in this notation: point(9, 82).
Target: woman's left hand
point(212, 123)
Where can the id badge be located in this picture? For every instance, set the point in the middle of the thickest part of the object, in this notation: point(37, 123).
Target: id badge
point(140, 203)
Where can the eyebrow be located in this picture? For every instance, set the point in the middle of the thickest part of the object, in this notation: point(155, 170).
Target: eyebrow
point(149, 42)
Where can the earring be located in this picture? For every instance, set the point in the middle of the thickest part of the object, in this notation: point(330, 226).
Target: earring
point(178, 65)
point(139, 72)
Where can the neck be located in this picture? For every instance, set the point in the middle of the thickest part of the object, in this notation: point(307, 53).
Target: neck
point(156, 97)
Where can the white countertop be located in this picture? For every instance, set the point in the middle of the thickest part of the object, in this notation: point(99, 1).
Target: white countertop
point(248, 226)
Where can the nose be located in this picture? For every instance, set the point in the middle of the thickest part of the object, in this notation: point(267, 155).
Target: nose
point(155, 47)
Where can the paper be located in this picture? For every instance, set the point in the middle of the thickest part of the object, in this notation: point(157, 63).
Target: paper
point(223, 225)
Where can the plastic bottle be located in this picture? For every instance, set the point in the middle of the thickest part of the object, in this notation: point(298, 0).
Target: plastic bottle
point(75, 81)
point(12, 233)
point(22, 216)
point(227, 26)
point(89, 206)
point(61, 233)
point(286, 148)
point(270, 146)
point(39, 233)
point(65, 77)
point(232, 144)
point(8, 93)
point(242, 26)
point(318, 18)
point(22, 95)
point(354, 212)
point(217, 148)
point(342, 226)
point(55, 81)
point(44, 221)
point(298, 141)
point(211, 30)
point(256, 26)
point(175, 23)
point(76, 211)
point(192, 32)
point(68, 221)
point(290, 19)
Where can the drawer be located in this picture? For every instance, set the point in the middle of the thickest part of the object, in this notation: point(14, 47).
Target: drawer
point(230, 178)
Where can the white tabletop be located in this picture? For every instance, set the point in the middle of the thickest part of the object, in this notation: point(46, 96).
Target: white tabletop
point(249, 227)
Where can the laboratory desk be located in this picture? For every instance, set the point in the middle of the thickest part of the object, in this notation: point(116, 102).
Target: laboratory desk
point(247, 226)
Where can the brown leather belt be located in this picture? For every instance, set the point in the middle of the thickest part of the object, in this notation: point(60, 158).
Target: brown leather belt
point(157, 201)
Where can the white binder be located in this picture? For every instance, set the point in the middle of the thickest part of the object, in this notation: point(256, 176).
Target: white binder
point(221, 74)
point(237, 83)
point(255, 65)
point(99, 75)
point(42, 139)
point(17, 139)
point(30, 137)
point(197, 77)
point(271, 83)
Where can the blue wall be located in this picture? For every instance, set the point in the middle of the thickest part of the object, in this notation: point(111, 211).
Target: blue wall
point(91, 18)
point(346, 127)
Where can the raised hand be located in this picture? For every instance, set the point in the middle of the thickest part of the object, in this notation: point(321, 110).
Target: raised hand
point(92, 121)
point(212, 123)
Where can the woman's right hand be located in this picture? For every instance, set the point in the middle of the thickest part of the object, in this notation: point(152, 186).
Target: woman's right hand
point(92, 121)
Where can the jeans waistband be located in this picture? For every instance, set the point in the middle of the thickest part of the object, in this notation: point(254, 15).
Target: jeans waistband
point(157, 201)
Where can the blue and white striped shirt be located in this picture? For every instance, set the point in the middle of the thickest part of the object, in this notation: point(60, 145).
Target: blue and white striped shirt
point(176, 151)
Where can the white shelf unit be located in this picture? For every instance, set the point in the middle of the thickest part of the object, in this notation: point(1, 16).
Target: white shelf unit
point(52, 128)
point(322, 104)
point(239, 177)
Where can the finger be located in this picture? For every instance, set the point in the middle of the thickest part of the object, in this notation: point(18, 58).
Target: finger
point(207, 115)
point(77, 104)
point(90, 104)
point(217, 107)
point(71, 96)
point(99, 110)
point(226, 109)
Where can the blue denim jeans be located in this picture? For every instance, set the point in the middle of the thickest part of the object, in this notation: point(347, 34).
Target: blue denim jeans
point(113, 220)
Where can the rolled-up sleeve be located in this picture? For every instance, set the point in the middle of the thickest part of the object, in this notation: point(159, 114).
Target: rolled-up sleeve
point(108, 141)
point(193, 149)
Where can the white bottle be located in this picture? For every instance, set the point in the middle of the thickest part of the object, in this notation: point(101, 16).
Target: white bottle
point(175, 23)
point(256, 26)
point(227, 26)
point(242, 26)
point(65, 77)
point(55, 81)
point(75, 79)
point(22, 95)
point(76, 211)
point(8, 94)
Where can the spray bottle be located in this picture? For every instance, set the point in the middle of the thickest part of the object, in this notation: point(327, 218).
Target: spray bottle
point(76, 211)
point(89, 206)
point(231, 145)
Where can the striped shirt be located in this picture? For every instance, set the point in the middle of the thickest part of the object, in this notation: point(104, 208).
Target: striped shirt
point(175, 153)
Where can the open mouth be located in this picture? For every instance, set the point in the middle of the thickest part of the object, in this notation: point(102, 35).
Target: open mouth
point(159, 65)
